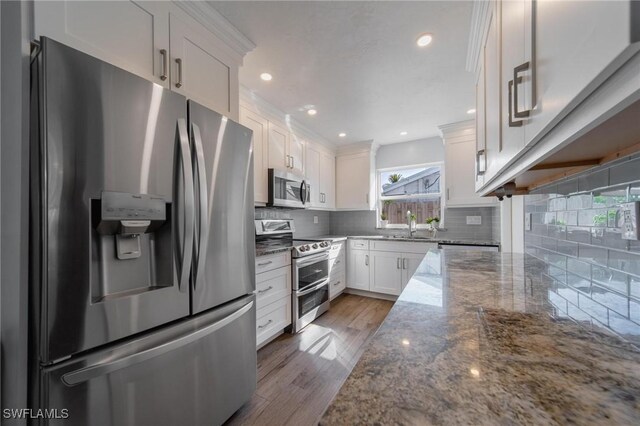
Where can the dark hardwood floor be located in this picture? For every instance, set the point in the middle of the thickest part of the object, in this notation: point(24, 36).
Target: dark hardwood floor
point(298, 375)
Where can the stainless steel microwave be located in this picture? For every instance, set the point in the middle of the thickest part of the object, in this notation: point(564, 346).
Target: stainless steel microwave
point(287, 190)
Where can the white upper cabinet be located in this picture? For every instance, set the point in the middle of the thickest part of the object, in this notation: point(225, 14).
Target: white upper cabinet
point(577, 46)
point(312, 169)
point(279, 157)
point(140, 44)
point(201, 70)
point(355, 180)
point(260, 127)
point(549, 72)
point(296, 153)
point(327, 180)
point(156, 40)
point(461, 162)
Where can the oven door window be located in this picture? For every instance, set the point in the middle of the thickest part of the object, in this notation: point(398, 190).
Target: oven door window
point(309, 302)
point(313, 274)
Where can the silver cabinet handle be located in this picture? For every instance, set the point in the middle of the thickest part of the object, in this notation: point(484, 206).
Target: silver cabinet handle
point(179, 82)
point(447, 194)
point(265, 263)
point(336, 283)
point(265, 290)
point(405, 261)
point(337, 262)
point(366, 260)
point(510, 95)
point(265, 324)
point(516, 70)
point(163, 54)
point(480, 171)
point(397, 263)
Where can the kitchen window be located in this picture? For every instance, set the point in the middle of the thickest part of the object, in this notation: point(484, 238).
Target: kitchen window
point(413, 188)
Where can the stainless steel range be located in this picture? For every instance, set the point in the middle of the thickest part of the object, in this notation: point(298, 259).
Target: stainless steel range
point(310, 269)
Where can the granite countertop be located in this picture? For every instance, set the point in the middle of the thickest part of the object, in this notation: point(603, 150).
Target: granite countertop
point(428, 240)
point(473, 339)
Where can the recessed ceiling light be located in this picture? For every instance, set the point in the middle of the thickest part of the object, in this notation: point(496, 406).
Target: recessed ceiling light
point(266, 76)
point(312, 112)
point(342, 135)
point(424, 40)
point(471, 111)
point(403, 133)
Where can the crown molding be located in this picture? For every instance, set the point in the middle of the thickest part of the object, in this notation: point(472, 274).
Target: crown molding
point(253, 102)
point(480, 19)
point(204, 13)
point(446, 130)
point(359, 147)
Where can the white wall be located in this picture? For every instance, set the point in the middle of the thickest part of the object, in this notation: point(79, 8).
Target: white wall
point(420, 151)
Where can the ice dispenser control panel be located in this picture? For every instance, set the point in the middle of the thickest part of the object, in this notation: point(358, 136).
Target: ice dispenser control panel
point(629, 216)
point(127, 216)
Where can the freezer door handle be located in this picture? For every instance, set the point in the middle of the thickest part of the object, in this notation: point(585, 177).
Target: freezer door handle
point(187, 210)
point(203, 227)
point(87, 373)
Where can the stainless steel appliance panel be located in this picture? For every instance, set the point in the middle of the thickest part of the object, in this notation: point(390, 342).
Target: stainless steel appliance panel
point(196, 372)
point(310, 271)
point(224, 265)
point(287, 190)
point(103, 129)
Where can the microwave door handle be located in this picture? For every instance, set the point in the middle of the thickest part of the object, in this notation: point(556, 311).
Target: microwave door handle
point(185, 206)
point(303, 192)
point(203, 231)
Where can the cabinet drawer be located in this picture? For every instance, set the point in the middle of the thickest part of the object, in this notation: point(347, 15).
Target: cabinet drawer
point(337, 283)
point(273, 285)
point(337, 262)
point(359, 244)
point(403, 246)
point(337, 248)
point(272, 319)
point(272, 261)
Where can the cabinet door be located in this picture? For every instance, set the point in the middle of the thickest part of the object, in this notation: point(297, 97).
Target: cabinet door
point(386, 272)
point(352, 181)
point(512, 19)
point(492, 107)
point(296, 152)
point(481, 141)
point(128, 34)
point(260, 127)
point(576, 44)
point(312, 169)
point(328, 180)
point(278, 142)
point(460, 154)
point(358, 269)
point(410, 263)
point(201, 70)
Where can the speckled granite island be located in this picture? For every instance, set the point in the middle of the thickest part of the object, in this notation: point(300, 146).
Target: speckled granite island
point(473, 339)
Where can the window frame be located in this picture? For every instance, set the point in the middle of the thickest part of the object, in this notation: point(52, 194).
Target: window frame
point(380, 199)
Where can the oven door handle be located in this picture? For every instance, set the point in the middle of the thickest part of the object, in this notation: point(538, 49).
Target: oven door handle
point(305, 261)
point(324, 282)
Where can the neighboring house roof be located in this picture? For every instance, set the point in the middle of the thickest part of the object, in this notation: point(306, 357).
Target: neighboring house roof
point(414, 177)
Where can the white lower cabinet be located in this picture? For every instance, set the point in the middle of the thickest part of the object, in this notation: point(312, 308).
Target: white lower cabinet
point(273, 296)
point(272, 319)
point(358, 269)
point(386, 272)
point(337, 269)
point(384, 267)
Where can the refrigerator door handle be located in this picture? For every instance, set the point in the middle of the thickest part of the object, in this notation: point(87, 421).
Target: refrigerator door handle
point(87, 373)
point(203, 228)
point(188, 205)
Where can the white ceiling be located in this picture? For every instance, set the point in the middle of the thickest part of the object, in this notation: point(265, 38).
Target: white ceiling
point(358, 64)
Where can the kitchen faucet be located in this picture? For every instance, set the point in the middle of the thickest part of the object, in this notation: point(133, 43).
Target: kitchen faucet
point(411, 231)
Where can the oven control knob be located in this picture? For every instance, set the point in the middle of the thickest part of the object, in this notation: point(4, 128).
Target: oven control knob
point(315, 246)
point(301, 248)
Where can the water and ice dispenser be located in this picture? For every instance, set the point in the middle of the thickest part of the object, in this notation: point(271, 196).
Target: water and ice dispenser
point(132, 243)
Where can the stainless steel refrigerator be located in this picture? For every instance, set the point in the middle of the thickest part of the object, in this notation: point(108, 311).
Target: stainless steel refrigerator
point(142, 309)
